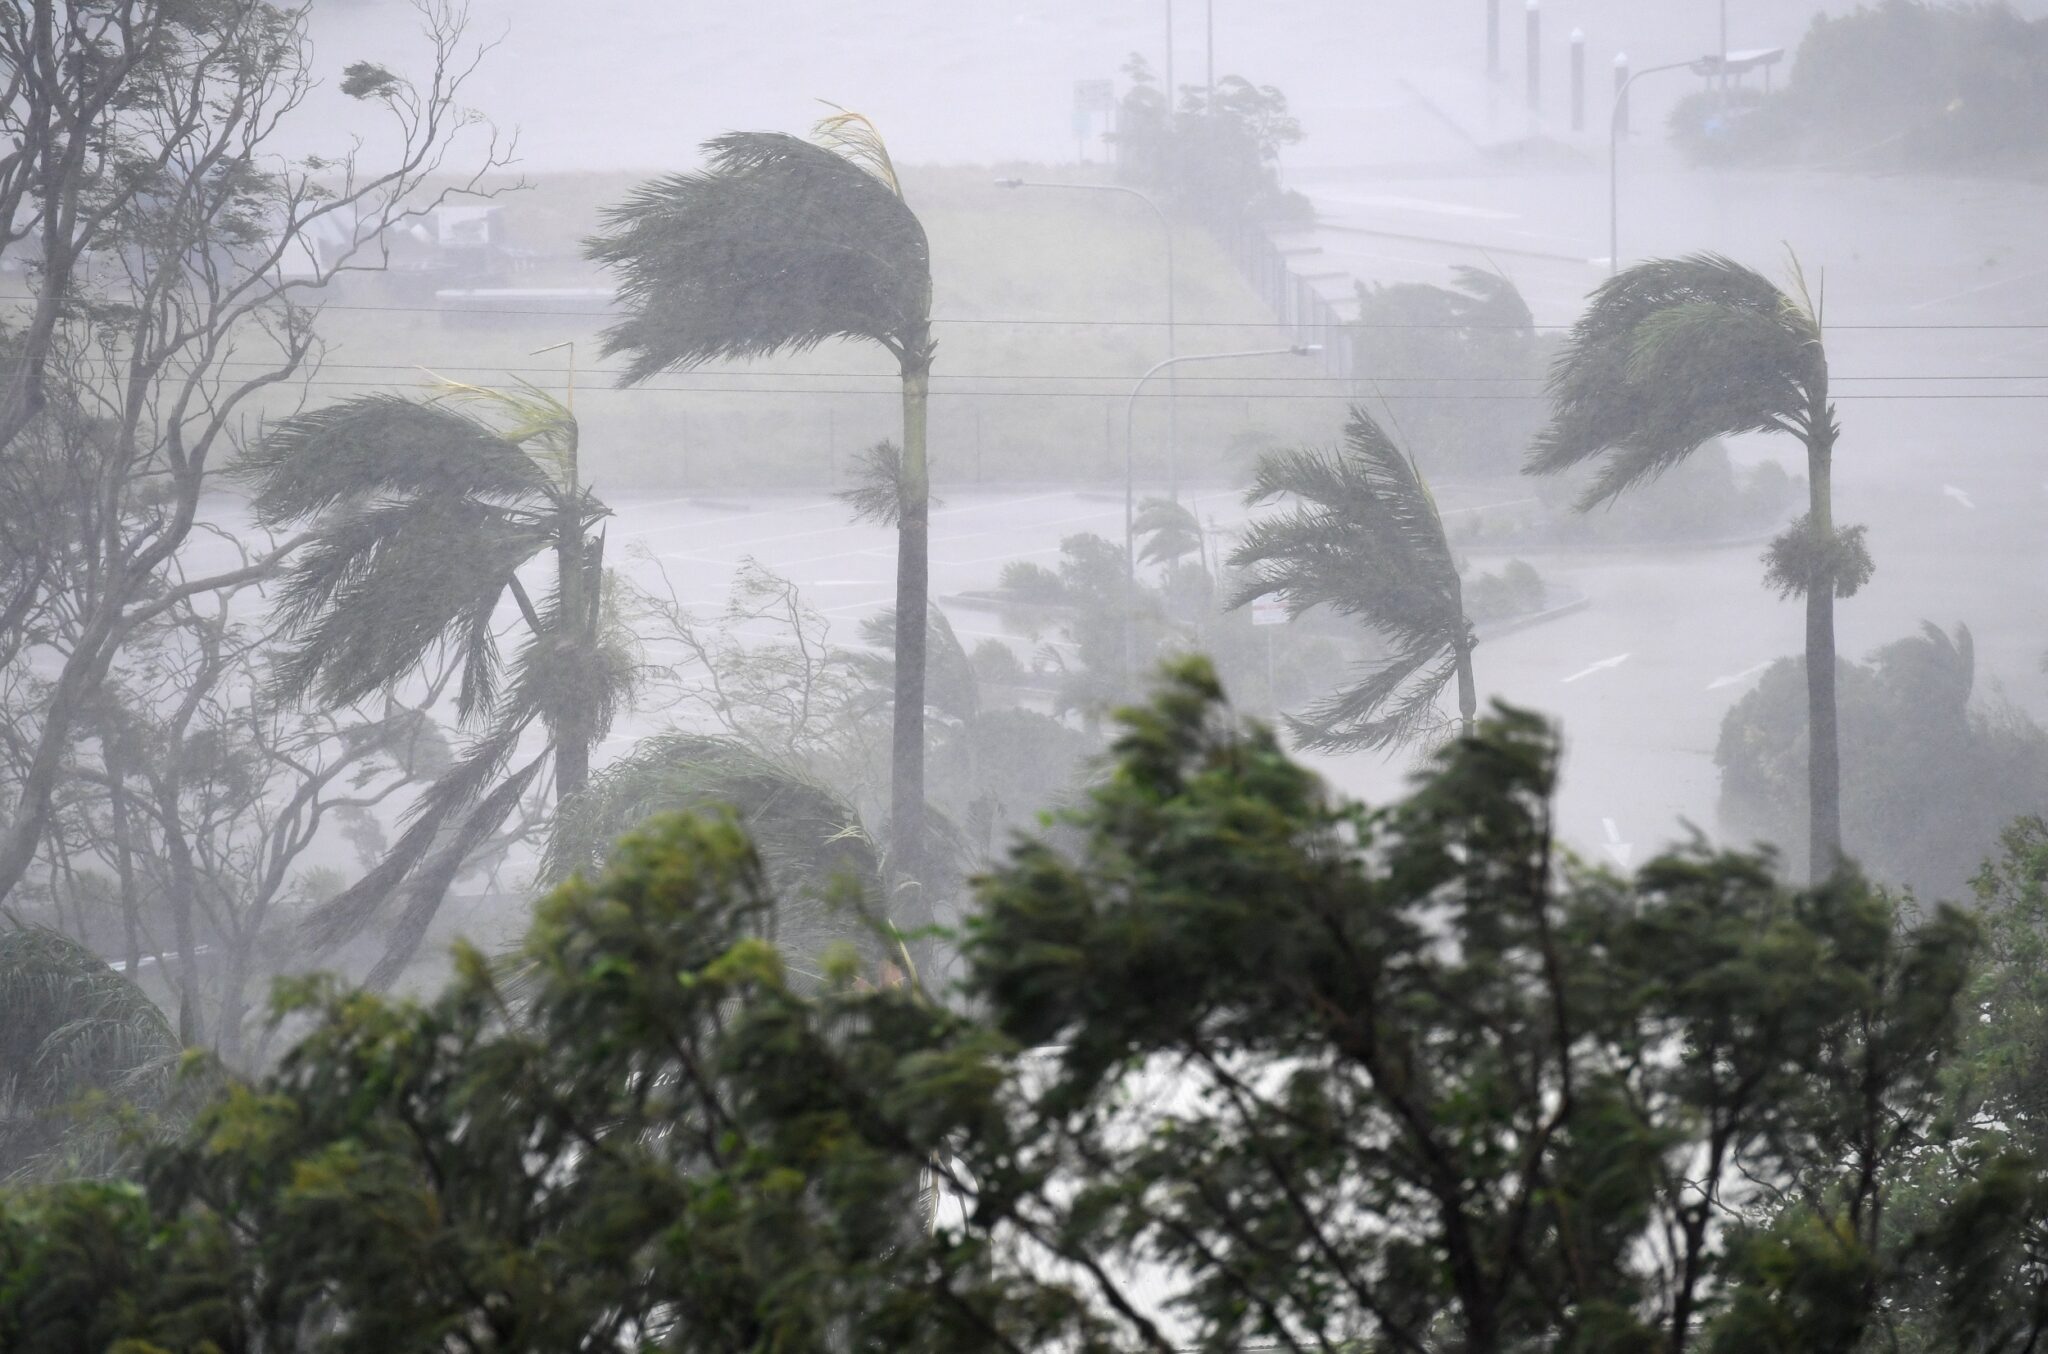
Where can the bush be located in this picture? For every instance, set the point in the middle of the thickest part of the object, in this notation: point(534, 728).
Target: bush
point(1457, 369)
point(1929, 778)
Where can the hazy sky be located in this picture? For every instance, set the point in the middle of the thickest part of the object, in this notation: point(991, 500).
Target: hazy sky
point(638, 83)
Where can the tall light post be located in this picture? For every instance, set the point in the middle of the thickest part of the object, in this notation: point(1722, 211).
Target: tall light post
point(1172, 289)
point(1720, 64)
point(1130, 479)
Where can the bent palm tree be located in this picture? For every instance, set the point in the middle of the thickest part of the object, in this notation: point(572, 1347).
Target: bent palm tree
point(777, 246)
point(810, 839)
point(1365, 541)
point(1674, 353)
point(423, 515)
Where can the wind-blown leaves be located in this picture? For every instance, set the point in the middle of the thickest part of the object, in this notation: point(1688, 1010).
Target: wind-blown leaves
point(812, 844)
point(425, 516)
point(71, 1028)
point(1364, 541)
point(380, 446)
point(778, 245)
point(1669, 355)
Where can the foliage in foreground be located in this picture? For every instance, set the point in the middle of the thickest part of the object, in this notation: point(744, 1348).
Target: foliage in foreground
point(1246, 1062)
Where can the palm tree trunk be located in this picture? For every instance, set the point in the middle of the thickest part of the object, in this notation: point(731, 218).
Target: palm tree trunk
point(1468, 691)
point(1823, 763)
point(571, 726)
point(913, 599)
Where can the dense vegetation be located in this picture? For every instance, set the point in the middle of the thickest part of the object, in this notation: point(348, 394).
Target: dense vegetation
point(1914, 735)
point(1438, 1086)
point(1897, 84)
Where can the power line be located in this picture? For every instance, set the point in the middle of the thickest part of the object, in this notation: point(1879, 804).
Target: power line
point(490, 311)
point(1125, 379)
point(1352, 396)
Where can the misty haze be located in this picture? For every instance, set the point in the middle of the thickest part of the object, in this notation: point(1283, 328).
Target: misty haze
point(1029, 675)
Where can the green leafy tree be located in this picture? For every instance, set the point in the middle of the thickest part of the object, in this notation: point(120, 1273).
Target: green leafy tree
point(1674, 353)
point(1365, 540)
point(1447, 365)
point(778, 246)
point(1236, 1062)
point(422, 515)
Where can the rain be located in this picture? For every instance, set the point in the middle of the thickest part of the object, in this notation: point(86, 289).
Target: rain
point(1470, 771)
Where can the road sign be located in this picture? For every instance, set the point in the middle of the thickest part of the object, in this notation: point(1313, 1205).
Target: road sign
point(1094, 96)
point(1268, 611)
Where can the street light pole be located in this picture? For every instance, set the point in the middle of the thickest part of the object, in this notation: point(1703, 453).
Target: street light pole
point(1130, 478)
point(1172, 289)
point(1614, 158)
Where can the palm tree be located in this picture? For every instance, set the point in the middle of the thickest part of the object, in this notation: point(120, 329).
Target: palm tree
point(1673, 353)
point(777, 246)
point(1365, 540)
point(71, 1029)
point(812, 845)
point(423, 514)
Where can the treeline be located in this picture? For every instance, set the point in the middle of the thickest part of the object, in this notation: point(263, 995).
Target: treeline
point(1236, 1064)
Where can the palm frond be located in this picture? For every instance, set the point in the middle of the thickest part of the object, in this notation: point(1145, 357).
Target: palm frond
point(1391, 704)
point(427, 888)
point(812, 844)
point(1496, 302)
point(876, 494)
point(382, 446)
point(1168, 529)
point(70, 1029)
point(778, 245)
point(951, 688)
point(456, 790)
point(381, 587)
point(531, 418)
point(859, 141)
point(1669, 355)
point(1364, 539)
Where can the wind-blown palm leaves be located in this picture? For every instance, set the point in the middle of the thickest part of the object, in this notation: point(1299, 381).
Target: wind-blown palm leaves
point(1675, 352)
point(1365, 540)
point(423, 514)
point(778, 245)
point(813, 848)
point(70, 1029)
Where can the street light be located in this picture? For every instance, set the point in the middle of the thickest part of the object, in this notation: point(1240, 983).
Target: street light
point(1723, 64)
point(1166, 230)
point(1130, 493)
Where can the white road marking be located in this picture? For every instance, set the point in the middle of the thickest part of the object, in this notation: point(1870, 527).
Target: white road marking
point(1741, 676)
point(1600, 666)
point(1958, 495)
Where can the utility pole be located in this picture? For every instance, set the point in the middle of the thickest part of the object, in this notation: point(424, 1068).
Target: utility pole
point(1210, 13)
point(1534, 25)
point(1578, 79)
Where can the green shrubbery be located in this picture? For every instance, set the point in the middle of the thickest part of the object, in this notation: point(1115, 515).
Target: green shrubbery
point(1237, 1063)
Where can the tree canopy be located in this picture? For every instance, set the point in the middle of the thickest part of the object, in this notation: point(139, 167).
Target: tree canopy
point(1234, 1061)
